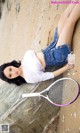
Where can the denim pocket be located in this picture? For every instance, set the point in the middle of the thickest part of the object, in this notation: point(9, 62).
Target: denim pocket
point(59, 55)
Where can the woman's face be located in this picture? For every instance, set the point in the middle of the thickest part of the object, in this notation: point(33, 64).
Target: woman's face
point(11, 72)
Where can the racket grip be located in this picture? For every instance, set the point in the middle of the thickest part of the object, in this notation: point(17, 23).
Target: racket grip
point(30, 95)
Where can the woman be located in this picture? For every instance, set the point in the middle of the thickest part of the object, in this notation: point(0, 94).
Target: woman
point(32, 68)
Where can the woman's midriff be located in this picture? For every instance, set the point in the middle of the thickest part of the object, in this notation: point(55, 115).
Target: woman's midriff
point(40, 57)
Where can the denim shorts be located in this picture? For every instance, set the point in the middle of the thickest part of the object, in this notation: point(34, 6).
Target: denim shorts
point(56, 56)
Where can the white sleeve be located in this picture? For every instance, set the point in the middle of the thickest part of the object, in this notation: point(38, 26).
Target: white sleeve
point(38, 77)
point(47, 76)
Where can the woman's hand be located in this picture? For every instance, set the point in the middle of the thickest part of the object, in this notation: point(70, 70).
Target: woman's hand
point(70, 66)
point(63, 69)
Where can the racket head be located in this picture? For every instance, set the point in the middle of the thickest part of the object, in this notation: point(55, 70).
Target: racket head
point(58, 97)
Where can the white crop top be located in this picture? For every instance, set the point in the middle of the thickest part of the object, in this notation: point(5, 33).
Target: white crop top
point(33, 69)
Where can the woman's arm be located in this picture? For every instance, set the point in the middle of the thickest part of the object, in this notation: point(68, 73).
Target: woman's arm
point(62, 70)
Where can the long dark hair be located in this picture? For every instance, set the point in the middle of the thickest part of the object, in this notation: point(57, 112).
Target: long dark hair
point(19, 80)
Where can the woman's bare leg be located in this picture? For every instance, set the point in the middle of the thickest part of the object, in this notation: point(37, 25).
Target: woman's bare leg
point(64, 17)
point(67, 32)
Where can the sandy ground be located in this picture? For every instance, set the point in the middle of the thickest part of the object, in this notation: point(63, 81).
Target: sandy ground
point(26, 25)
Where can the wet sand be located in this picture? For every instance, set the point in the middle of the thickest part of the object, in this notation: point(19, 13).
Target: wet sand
point(26, 25)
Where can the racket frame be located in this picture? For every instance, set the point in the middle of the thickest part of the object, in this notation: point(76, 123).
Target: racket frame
point(47, 89)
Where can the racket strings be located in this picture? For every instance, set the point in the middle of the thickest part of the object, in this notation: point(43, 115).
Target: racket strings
point(63, 91)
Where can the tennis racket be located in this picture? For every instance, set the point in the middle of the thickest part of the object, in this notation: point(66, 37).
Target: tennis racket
point(62, 92)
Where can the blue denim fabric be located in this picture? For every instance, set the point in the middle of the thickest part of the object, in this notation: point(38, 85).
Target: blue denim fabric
point(56, 56)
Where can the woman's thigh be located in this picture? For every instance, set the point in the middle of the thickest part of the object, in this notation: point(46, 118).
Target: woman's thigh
point(66, 34)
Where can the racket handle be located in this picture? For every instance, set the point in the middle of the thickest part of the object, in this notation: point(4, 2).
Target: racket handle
point(30, 95)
